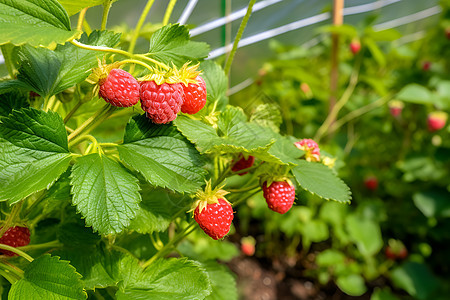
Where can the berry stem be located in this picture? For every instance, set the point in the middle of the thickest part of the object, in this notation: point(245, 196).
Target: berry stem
point(81, 18)
point(241, 190)
point(12, 269)
point(8, 276)
point(16, 251)
point(235, 203)
point(168, 247)
point(139, 24)
point(168, 13)
point(10, 219)
point(238, 36)
point(106, 7)
point(97, 118)
point(72, 111)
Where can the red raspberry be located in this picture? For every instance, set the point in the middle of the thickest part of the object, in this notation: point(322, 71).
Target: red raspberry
point(248, 249)
point(161, 102)
point(280, 196)
point(242, 164)
point(194, 97)
point(120, 88)
point(312, 151)
point(215, 219)
point(355, 46)
point(371, 183)
point(15, 237)
point(426, 65)
point(436, 120)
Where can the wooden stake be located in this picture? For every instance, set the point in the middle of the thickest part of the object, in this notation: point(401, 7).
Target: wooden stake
point(338, 7)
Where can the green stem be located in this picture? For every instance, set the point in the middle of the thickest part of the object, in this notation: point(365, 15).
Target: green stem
point(239, 36)
point(167, 248)
point(235, 203)
point(51, 244)
point(10, 219)
point(50, 103)
point(12, 269)
point(89, 121)
point(8, 276)
point(139, 25)
point(81, 18)
point(72, 111)
point(339, 105)
point(106, 7)
point(241, 190)
point(181, 211)
point(168, 12)
point(222, 177)
point(16, 251)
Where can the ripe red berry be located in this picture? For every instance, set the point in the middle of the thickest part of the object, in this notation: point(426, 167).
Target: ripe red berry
point(312, 151)
point(280, 196)
point(242, 164)
point(161, 102)
point(371, 183)
point(120, 88)
point(390, 253)
point(215, 219)
point(447, 33)
point(426, 66)
point(248, 249)
point(396, 250)
point(194, 96)
point(15, 237)
point(355, 46)
point(436, 120)
point(395, 108)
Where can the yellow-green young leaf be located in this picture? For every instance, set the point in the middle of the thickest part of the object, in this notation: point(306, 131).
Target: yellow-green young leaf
point(36, 22)
point(366, 233)
point(105, 193)
point(72, 7)
point(164, 279)
point(215, 79)
point(320, 180)
point(162, 155)
point(33, 152)
point(47, 277)
point(352, 284)
point(415, 93)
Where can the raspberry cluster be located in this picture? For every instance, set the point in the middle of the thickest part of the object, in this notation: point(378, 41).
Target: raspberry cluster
point(161, 101)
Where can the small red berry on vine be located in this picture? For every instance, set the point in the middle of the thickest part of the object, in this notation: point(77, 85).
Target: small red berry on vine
point(395, 108)
point(194, 96)
point(15, 237)
point(312, 151)
point(436, 120)
point(279, 195)
point(242, 163)
point(355, 46)
point(371, 183)
point(162, 102)
point(213, 212)
point(426, 66)
point(120, 88)
point(248, 245)
point(395, 250)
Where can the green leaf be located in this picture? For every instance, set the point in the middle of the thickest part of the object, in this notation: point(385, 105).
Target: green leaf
point(36, 22)
point(352, 284)
point(98, 266)
point(314, 231)
point(13, 100)
point(383, 294)
point(330, 258)
point(344, 29)
point(12, 86)
point(377, 54)
point(223, 283)
point(203, 249)
point(267, 115)
point(105, 193)
point(320, 180)
point(162, 155)
point(233, 135)
point(215, 79)
point(33, 152)
point(416, 279)
point(171, 44)
point(383, 35)
point(156, 210)
point(50, 72)
point(47, 277)
point(73, 7)
point(365, 233)
point(164, 279)
point(433, 203)
point(415, 93)
point(74, 234)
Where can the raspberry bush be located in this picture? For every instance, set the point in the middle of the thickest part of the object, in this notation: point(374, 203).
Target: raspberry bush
point(109, 189)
